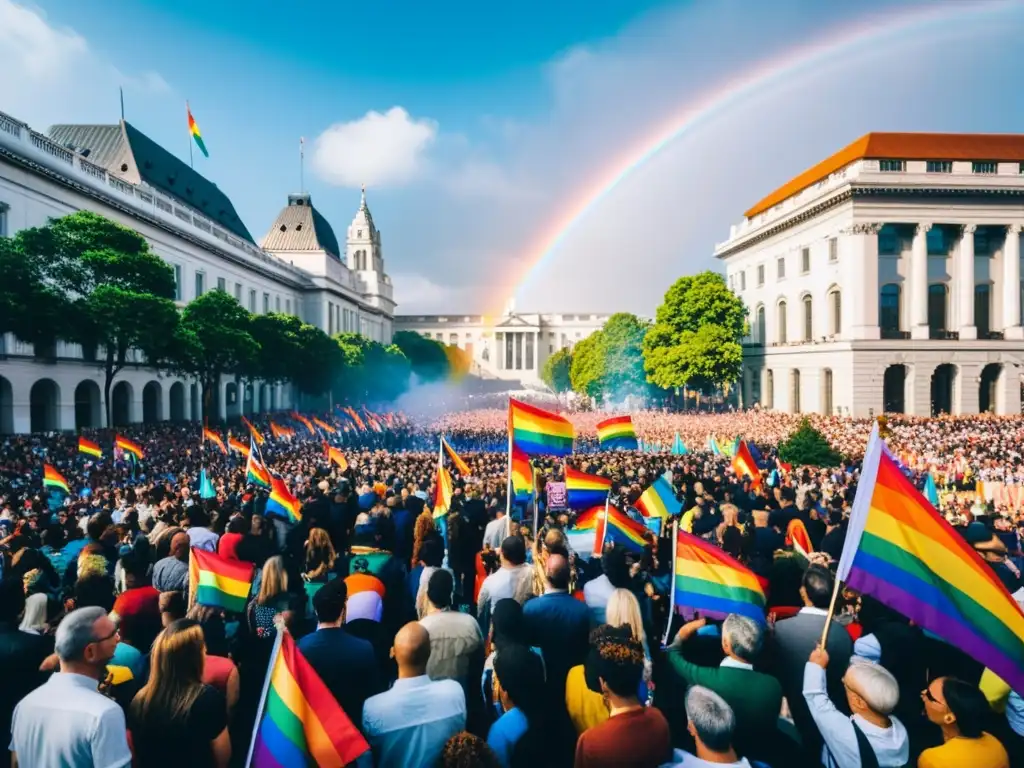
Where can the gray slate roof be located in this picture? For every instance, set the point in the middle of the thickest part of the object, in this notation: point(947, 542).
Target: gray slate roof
point(300, 227)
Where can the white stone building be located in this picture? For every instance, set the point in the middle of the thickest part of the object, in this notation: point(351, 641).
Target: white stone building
point(298, 268)
point(513, 347)
point(887, 278)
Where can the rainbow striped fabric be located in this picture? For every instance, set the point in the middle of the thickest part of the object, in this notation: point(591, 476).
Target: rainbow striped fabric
point(300, 722)
point(238, 445)
point(903, 553)
point(280, 432)
point(335, 456)
point(457, 460)
point(213, 437)
point(710, 581)
point(537, 431)
point(128, 446)
point(443, 492)
point(743, 463)
point(219, 582)
point(193, 129)
point(584, 491)
point(582, 534)
point(253, 431)
point(617, 528)
point(659, 500)
point(255, 472)
point(89, 447)
point(521, 473)
point(54, 479)
point(282, 502)
point(324, 426)
point(304, 421)
point(617, 434)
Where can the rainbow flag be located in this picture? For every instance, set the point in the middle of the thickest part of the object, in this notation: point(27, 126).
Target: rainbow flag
point(350, 412)
point(443, 492)
point(521, 473)
point(618, 528)
point(300, 723)
point(659, 500)
point(89, 447)
point(304, 421)
point(253, 431)
point(617, 434)
point(280, 432)
point(282, 502)
point(255, 472)
point(460, 465)
point(128, 446)
point(219, 582)
point(582, 535)
point(193, 129)
point(903, 553)
point(335, 456)
point(54, 479)
point(213, 437)
point(710, 581)
point(584, 491)
point(743, 463)
point(238, 445)
point(324, 426)
point(538, 432)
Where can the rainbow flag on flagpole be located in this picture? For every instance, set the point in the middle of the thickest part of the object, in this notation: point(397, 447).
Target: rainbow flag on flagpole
point(54, 480)
point(743, 463)
point(457, 460)
point(659, 500)
point(617, 434)
point(903, 553)
point(282, 501)
point(193, 129)
point(710, 581)
point(238, 445)
point(443, 492)
point(255, 471)
point(537, 431)
point(584, 491)
point(616, 527)
point(216, 581)
point(299, 722)
point(582, 534)
point(253, 431)
point(89, 447)
point(128, 446)
point(521, 473)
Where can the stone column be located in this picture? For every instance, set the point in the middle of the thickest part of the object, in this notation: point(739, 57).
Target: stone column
point(859, 267)
point(919, 282)
point(965, 286)
point(517, 353)
point(1011, 284)
point(499, 351)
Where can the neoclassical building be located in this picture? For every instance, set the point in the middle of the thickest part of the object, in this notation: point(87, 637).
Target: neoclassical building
point(299, 268)
point(887, 278)
point(513, 347)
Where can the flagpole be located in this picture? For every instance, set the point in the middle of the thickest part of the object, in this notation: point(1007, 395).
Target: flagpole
point(672, 590)
point(188, 111)
point(122, 103)
point(508, 486)
point(266, 688)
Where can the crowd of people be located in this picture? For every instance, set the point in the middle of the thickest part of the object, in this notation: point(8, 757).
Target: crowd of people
point(480, 637)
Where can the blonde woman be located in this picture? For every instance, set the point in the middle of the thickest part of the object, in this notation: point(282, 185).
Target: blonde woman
point(175, 719)
point(624, 611)
point(271, 600)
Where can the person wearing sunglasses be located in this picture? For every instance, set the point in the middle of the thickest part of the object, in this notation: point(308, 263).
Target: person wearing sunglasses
point(961, 711)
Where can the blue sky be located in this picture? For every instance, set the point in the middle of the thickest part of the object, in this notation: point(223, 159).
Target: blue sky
point(479, 127)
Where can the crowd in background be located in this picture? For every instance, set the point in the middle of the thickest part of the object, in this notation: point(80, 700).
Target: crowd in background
point(471, 640)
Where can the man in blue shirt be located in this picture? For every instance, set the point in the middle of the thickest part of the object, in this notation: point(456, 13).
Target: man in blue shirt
point(345, 663)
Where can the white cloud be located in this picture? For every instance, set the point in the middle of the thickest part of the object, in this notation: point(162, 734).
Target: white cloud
point(378, 149)
point(418, 293)
point(52, 75)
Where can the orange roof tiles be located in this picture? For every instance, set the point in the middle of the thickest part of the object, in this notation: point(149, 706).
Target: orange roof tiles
point(902, 146)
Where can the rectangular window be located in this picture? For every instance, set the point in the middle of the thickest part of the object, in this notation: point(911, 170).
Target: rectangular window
point(222, 285)
point(781, 265)
point(330, 319)
point(805, 260)
point(266, 303)
point(833, 250)
point(177, 282)
point(984, 167)
point(743, 280)
point(252, 300)
point(200, 284)
point(287, 306)
point(3, 220)
point(277, 303)
point(238, 292)
point(891, 166)
point(760, 275)
point(939, 166)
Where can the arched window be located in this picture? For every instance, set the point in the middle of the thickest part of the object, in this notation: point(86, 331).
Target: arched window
point(835, 312)
point(760, 325)
point(808, 318)
point(780, 334)
point(889, 308)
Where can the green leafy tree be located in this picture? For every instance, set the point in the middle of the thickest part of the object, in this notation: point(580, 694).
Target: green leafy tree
point(31, 307)
point(280, 350)
point(555, 372)
point(427, 357)
point(320, 361)
point(587, 372)
point(806, 446)
point(695, 339)
point(216, 341)
point(372, 371)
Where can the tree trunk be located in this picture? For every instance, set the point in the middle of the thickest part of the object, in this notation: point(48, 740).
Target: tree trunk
point(108, 385)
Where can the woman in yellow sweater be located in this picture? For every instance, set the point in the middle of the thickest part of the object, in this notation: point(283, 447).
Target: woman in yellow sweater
point(960, 709)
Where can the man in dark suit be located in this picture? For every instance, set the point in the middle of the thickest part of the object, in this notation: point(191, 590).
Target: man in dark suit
point(558, 624)
point(796, 637)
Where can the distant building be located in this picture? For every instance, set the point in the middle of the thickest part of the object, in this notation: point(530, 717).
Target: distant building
point(299, 268)
point(513, 347)
point(887, 278)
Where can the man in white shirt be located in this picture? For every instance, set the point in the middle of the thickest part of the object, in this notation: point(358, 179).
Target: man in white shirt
point(409, 725)
point(872, 693)
point(513, 579)
point(67, 722)
point(494, 531)
point(456, 643)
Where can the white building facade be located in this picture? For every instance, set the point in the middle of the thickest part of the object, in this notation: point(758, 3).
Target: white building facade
point(118, 172)
point(513, 347)
point(887, 279)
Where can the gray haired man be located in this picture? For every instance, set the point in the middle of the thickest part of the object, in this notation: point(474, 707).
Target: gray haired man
point(67, 722)
point(712, 724)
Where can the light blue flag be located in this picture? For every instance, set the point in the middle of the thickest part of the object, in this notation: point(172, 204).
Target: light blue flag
point(930, 491)
point(206, 489)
